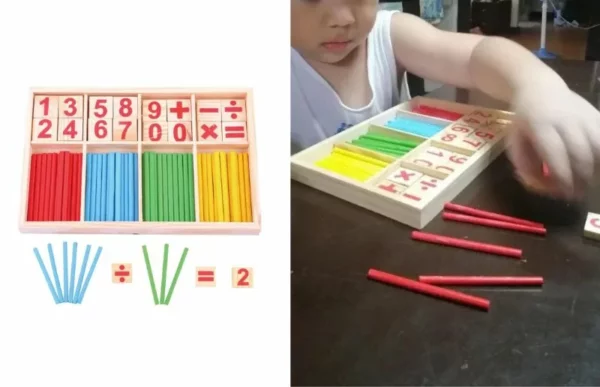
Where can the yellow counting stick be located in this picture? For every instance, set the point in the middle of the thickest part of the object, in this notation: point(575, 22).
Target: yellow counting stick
point(218, 187)
point(353, 163)
point(248, 188)
point(332, 166)
point(225, 187)
point(210, 203)
point(361, 157)
point(202, 186)
point(234, 187)
point(241, 179)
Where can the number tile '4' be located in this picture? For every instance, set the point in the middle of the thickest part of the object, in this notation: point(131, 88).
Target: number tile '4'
point(242, 277)
point(70, 129)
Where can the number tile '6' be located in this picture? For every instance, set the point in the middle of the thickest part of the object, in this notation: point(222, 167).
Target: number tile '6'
point(242, 277)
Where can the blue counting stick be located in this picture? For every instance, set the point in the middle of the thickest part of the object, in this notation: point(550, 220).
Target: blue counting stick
point(46, 275)
point(135, 187)
point(73, 269)
point(110, 207)
point(419, 128)
point(132, 183)
point(66, 271)
point(98, 187)
point(124, 172)
point(82, 272)
point(103, 165)
point(55, 272)
point(89, 276)
point(118, 187)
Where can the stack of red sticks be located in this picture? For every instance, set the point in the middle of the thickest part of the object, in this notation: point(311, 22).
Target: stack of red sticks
point(431, 284)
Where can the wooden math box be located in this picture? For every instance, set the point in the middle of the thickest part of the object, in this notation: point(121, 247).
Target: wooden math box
point(406, 162)
point(140, 161)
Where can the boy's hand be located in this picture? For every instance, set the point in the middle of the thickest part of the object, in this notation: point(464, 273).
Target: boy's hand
point(556, 126)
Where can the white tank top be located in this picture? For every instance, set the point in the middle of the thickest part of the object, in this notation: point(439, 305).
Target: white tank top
point(316, 109)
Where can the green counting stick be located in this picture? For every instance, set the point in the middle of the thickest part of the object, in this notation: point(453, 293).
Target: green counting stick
point(387, 139)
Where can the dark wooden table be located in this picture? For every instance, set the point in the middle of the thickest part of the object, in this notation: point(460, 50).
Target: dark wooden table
point(348, 330)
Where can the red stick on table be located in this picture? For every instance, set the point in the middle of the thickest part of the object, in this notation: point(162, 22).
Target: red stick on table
point(489, 215)
point(469, 245)
point(493, 223)
point(431, 290)
point(480, 280)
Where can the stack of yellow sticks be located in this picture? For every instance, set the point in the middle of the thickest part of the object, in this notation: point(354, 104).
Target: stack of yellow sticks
point(351, 164)
point(224, 187)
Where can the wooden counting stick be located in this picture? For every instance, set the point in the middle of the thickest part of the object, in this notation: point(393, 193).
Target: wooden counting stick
point(465, 244)
point(489, 215)
point(493, 223)
point(435, 291)
point(592, 226)
point(242, 277)
point(121, 273)
point(481, 280)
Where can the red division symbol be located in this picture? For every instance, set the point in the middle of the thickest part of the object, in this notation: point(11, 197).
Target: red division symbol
point(122, 273)
point(233, 109)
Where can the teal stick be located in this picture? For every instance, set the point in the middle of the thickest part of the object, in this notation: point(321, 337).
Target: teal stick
point(86, 256)
point(66, 271)
point(73, 270)
point(55, 272)
point(89, 275)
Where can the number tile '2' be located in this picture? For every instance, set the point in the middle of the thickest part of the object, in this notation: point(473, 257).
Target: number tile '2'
point(242, 277)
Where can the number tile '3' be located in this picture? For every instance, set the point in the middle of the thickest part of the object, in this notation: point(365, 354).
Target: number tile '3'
point(242, 277)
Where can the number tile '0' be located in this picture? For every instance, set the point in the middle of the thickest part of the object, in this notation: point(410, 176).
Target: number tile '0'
point(242, 277)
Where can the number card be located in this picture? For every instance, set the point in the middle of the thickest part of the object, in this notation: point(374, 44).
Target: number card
point(242, 277)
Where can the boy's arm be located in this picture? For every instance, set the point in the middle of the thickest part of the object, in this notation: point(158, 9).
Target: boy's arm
point(496, 66)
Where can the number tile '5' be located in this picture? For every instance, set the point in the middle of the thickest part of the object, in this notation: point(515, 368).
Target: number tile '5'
point(242, 277)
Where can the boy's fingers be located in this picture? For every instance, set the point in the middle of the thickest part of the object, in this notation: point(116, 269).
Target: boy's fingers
point(551, 148)
point(522, 155)
point(579, 150)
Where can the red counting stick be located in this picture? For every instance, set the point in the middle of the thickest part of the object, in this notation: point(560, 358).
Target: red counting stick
point(469, 245)
point(431, 290)
point(480, 280)
point(493, 223)
point(489, 215)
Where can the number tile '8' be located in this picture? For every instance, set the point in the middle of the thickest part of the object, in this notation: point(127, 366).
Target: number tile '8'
point(242, 277)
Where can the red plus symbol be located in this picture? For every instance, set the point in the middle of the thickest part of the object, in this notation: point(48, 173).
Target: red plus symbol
point(179, 109)
point(209, 131)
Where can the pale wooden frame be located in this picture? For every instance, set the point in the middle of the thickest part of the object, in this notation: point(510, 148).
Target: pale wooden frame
point(366, 195)
point(142, 227)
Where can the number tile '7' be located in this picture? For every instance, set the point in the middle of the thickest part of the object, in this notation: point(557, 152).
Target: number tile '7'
point(242, 277)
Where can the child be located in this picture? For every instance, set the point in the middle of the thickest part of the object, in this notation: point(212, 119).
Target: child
point(344, 64)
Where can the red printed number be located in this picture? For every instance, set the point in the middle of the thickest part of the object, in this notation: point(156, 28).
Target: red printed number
point(155, 132)
point(484, 135)
point(100, 130)
point(70, 130)
point(179, 132)
point(127, 124)
point(243, 281)
point(475, 144)
point(154, 109)
point(458, 159)
point(125, 108)
point(481, 114)
point(72, 108)
point(46, 104)
point(100, 105)
point(449, 137)
point(44, 132)
point(459, 128)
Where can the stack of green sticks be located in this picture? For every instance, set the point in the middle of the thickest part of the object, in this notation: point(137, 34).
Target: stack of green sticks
point(168, 187)
point(391, 146)
point(164, 298)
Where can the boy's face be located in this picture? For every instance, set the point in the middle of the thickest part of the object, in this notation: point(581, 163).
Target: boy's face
point(328, 30)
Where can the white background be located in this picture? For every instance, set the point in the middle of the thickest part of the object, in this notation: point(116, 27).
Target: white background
point(117, 337)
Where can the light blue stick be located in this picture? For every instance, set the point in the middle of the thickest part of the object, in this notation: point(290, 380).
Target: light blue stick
point(82, 272)
point(73, 270)
point(66, 271)
point(46, 275)
point(89, 276)
point(55, 272)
